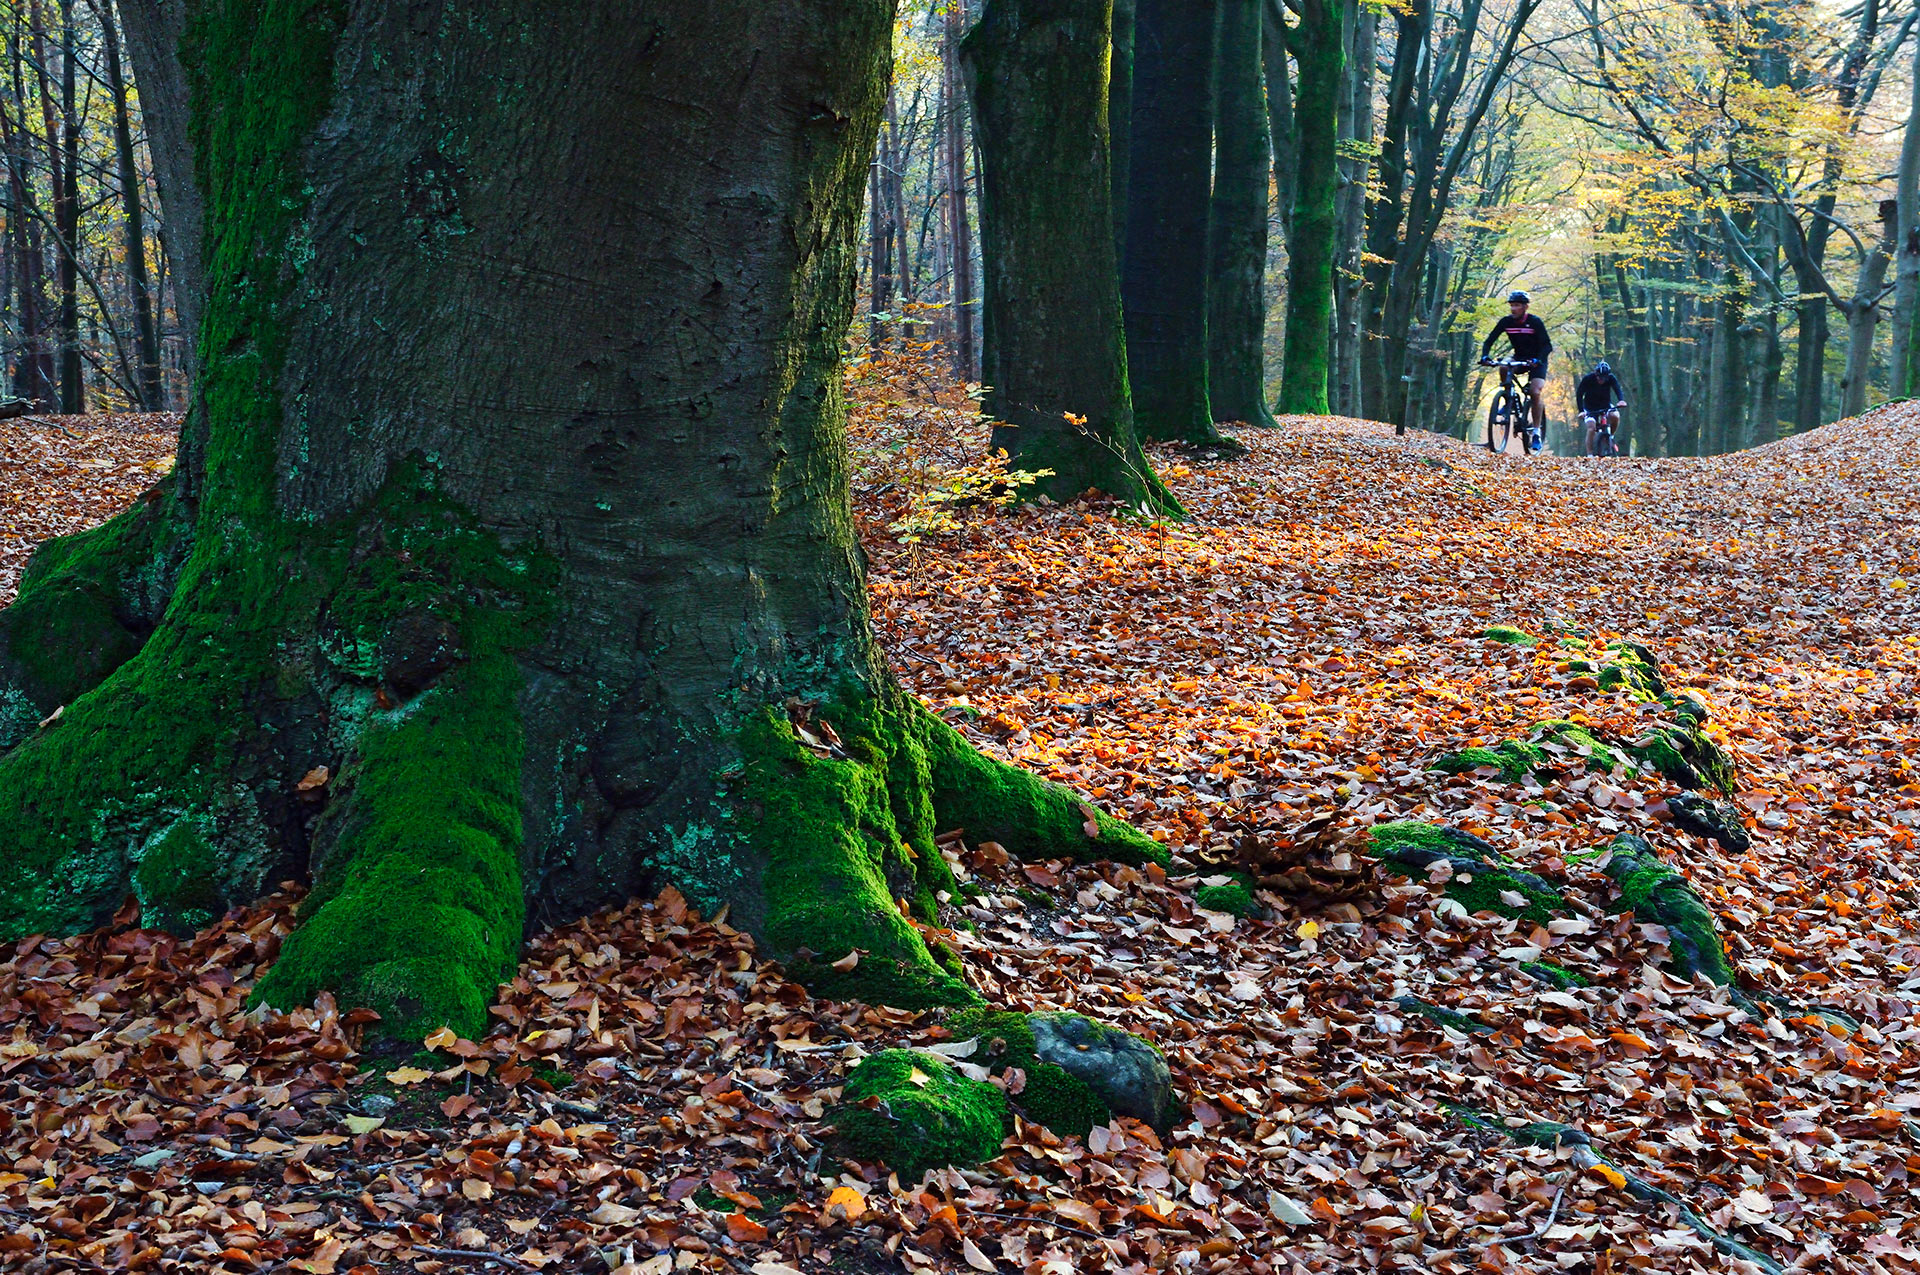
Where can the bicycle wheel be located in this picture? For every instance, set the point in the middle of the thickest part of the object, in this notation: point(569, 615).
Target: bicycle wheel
point(1499, 424)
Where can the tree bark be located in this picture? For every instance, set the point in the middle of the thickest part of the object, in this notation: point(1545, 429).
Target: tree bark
point(1242, 171)
point(1863, 312)
point(147, 378)
point(1310, 246)
point(1056, 361)
point(34, 377)
point(1165, 283)
point(526, 517)
point(1387, 212)
point(1286, 146)
point(959, 220)
point(1356, 125)
point(154, 29)
point(1905, 380)
point(1120, 125)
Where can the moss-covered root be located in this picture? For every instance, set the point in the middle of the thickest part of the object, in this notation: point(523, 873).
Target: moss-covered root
point(914, 1112)
point(417, 910)
point(1688, 757)
point(86, 604)
point(840, 806)
point(1510, 635)
point(1552, 1135)
point(1479, 877)
point(1553, 747)
point(1628, 668)
point(1655, 892)
point(1230, 892)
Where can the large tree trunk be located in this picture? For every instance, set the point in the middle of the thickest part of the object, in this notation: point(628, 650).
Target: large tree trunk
point(966, 361)
point(1321, 61)
point(154, 29)
point(1242, 171)
point(1386, 213)
point(1120, 124)
point(1356, 125)
point(1056, 355)
point(1905, 379)
point(1863, 312)
point(1165, 281)
point(525, 517)
point(1273, 59)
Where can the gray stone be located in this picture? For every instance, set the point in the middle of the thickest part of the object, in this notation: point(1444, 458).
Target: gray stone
point(1705, 817)
point(1127, 1072)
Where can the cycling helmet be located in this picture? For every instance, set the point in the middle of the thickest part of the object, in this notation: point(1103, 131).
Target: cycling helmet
point(1518, 298)
point(1601, 368)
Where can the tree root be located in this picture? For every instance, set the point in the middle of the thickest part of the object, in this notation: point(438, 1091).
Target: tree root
point(1550, 1135)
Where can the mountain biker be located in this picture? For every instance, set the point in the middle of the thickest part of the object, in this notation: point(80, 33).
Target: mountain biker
point(1530, 343)
point(1600, 397)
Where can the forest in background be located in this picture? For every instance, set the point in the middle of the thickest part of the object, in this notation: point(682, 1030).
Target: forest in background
point(1710, 196)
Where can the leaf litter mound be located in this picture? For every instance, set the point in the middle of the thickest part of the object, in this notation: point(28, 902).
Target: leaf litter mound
point(1374, 1078)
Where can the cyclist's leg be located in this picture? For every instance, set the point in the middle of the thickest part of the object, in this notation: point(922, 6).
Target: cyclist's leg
point(1536, 396)
point(1593, 427)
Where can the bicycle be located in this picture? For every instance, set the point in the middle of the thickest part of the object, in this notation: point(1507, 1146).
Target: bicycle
point(1603, 425)
point(1510, 404)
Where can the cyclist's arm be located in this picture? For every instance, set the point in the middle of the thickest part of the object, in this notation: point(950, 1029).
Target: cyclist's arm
point(1487, 344)
point(1544, 336)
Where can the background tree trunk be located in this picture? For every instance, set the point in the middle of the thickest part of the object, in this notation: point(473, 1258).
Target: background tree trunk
point(1356, 127)
point(526, 517)
point(1165, 283)
point(148, 380)
point(966, 361)
point(1056, 361)
point(1120, 124)
point(154, 29)
point(1242, 170)
point(1321, 61)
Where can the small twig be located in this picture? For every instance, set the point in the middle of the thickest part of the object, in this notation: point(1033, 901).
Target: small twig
point(1037, 1220)
point(473, 1255)
point(1553, 1212)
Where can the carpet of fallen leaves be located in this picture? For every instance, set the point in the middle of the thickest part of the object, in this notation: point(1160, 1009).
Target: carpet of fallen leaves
point(1256, 685)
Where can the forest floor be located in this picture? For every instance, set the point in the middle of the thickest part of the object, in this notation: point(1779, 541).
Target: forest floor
point(1258, 685)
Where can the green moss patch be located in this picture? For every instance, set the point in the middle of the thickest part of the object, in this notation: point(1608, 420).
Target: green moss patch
point(1481, 880)
point(1452, 1019)
point(1552, 743)
point(1686, 755)
point(1510, 635)
point(914, 1112)
point(1556, 975)
point(1233, 896)
point(1512, 758)
point(1654, 892)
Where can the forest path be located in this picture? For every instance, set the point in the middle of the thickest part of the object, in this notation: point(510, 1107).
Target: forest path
point(1279, 670)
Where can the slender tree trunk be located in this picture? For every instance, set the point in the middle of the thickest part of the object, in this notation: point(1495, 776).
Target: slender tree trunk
point(1056, 360)
point(1242, 171)
point(565, 610)
point(1387, 212)
point(959, 219)
point(1863, 313)
point(57, 118)
point(1165, 283)
point(153, 395)
point(1356, 126)
point(1905, 380)
point(154, 29)
point(1310, 249)
point(1274, 37)
point(1120, 125)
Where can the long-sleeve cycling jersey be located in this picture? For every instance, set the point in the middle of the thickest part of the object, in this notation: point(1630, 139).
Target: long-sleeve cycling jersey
point(1528, 337)
point(1599, 392)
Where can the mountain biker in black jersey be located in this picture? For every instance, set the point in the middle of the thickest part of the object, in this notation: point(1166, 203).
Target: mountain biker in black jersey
point(1528, 337)
point(1599, 398)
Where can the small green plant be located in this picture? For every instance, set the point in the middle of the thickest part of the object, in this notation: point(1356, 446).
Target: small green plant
point(989, 483)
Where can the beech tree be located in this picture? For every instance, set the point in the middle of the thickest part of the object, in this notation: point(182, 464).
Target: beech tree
point(1055, 349)
point(1321, 59)
point(508, 566)
point(1243, 166)
point(1170, 184)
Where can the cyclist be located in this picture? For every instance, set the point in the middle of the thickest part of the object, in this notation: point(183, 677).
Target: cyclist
point(1527, 336)
point(1599, 399)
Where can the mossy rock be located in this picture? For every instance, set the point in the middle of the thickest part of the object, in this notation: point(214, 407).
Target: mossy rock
point(1632, 668)
point(914, 1112)
point(1079, 1073)
point(1653, 891)
point(1452, 1019)
point(1512, 758)
point(1483, 880)
point(1686, 755)
point(1233, 896)
point(1710, 819)
point(1579, 739)
point(1052, 1096)
point(1511, 636)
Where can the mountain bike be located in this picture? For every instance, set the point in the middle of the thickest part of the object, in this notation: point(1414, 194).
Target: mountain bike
point(1510, 407)
point(1604, 424)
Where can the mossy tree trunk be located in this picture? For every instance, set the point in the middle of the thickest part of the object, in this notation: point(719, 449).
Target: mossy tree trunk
point(1321, 60)
point(1164, 284)
point(522, 574)
point(1242, 170)
point(1120, 123)
point(1055, 351)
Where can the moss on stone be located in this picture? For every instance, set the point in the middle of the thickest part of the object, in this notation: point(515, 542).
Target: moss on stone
point(177, 880)
point(1686, 755)
point(1511, 636)
point(914, 1112)
point(1482, 879)
point(1514, 760)
point(1451, 1019)
point(1051, 1097)
point(1654, 892)
point(1575, 737)
point(1233, 896)
point(1632, 669)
